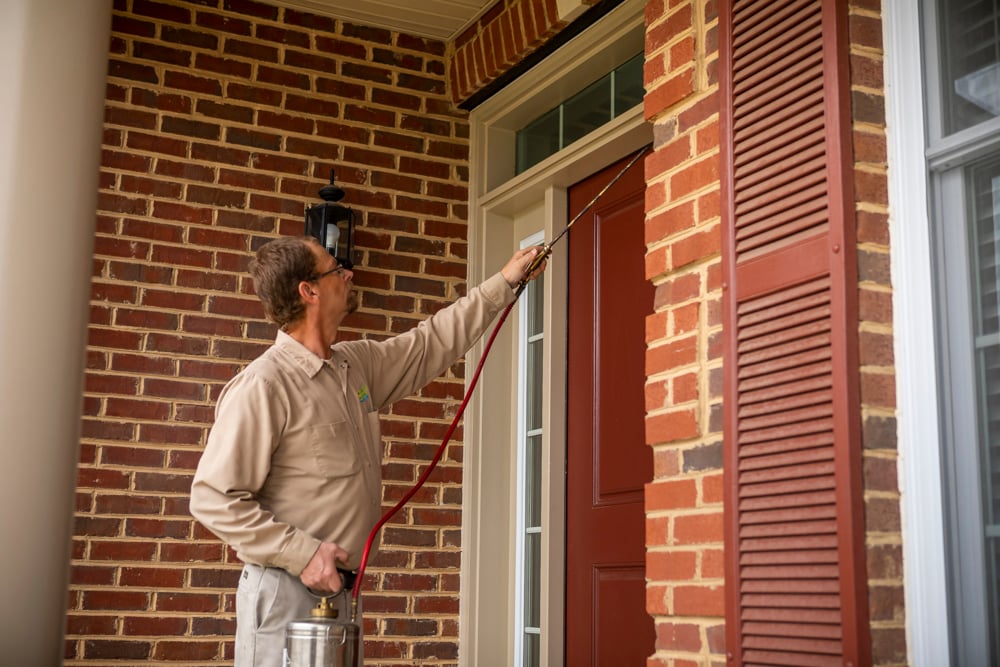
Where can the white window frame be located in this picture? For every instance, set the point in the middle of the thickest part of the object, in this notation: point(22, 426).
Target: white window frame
point(917, 417)
point(920, 420)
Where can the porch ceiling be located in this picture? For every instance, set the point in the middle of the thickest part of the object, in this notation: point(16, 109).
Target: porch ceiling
point(437, 19)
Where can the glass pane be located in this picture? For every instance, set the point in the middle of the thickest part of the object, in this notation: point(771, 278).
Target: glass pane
point(536, 305)
point(582, 113)
point(533, 482)
point(986, 218)
point(538, 140)
point(970, 62)
point(993, 575)
point(532, 585)
point(533, 382)
point(531, 652)
point(989, 380)
point(587, 110)
point(985, 215)
point(629, 89)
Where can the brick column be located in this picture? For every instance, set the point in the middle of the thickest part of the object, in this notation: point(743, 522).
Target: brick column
point(884, 537)
point(684, 513)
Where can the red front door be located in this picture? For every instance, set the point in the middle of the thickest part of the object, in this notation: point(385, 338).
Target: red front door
point(608, 461)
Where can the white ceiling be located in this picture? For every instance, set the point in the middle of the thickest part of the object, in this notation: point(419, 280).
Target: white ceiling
point(438, 19)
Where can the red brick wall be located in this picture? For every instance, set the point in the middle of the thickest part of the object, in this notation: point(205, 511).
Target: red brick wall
point(878, 379)
point(684, 521)
point(503, 36)
point(223, 119)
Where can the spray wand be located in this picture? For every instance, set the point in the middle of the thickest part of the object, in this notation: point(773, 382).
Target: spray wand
point(545, 251)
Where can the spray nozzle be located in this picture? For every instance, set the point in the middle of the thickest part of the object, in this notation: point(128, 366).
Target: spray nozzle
point(543, 254)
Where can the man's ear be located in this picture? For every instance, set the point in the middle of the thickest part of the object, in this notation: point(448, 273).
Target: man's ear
point(306, 291)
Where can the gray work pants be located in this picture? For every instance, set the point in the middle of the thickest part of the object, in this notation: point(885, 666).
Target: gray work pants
point(267, 600)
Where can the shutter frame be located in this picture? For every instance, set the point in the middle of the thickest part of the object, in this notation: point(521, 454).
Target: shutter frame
point(814, 254)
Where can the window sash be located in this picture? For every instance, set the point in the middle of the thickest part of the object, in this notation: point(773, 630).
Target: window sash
point(955, 154)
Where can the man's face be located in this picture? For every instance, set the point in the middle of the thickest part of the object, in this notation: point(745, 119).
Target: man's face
point(335, 284)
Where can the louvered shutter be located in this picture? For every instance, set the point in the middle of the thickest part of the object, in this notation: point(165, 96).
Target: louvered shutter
point(795, 580)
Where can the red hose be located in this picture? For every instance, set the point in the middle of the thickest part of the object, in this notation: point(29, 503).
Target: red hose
point(437, 455)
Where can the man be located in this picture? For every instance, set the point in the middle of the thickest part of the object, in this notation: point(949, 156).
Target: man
point(291, 474)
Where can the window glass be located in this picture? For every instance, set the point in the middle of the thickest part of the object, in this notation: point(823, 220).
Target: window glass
point(533, 407)
point(587, 110)
point(605, 99)
point(529, 567)
point(532, 599)
point(533, 482)
point(539, 139)
point(532, 650)
point(629, 89)
point(970, 62)
point(984, 183)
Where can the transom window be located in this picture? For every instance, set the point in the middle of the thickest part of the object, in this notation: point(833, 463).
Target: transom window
point(607, 98)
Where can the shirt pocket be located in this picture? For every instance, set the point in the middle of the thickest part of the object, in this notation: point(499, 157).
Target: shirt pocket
point(333, 450)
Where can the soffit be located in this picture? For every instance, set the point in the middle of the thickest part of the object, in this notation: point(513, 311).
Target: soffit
point(436, 19)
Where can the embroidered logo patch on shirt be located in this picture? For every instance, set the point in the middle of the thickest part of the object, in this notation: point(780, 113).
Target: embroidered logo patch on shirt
point(363, 394)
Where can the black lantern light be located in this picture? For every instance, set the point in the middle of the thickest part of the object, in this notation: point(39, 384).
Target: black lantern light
point(332, 224)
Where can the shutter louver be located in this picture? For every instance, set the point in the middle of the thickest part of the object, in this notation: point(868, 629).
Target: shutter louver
point(778, 130)
point(787, 507)
point(794, 594)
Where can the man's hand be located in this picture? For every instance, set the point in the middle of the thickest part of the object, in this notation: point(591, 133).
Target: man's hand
point(514, 270)
point(320, 573)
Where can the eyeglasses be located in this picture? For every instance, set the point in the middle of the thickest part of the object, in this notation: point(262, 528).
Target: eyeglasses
point(339, 270)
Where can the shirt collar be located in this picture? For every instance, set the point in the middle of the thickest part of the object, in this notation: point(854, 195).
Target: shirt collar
point(300, 354)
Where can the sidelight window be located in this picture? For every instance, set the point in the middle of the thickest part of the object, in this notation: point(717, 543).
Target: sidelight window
point(531, 337)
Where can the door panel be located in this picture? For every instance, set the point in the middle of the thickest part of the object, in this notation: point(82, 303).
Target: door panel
point(608, 462)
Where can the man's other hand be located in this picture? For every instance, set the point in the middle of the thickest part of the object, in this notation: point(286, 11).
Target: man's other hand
point(320, 573)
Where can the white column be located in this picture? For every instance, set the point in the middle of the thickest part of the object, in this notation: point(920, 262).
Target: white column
point(53, 61)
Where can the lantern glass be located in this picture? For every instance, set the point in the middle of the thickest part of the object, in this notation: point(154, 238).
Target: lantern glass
point(333, 226)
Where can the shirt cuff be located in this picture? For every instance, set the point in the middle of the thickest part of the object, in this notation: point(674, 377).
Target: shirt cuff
point(497, 290)
point(297, 553)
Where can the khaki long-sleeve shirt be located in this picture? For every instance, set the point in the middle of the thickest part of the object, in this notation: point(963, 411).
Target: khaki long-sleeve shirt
point(294, 457)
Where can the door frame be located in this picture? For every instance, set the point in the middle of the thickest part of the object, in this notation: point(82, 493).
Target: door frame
point(505, 208)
